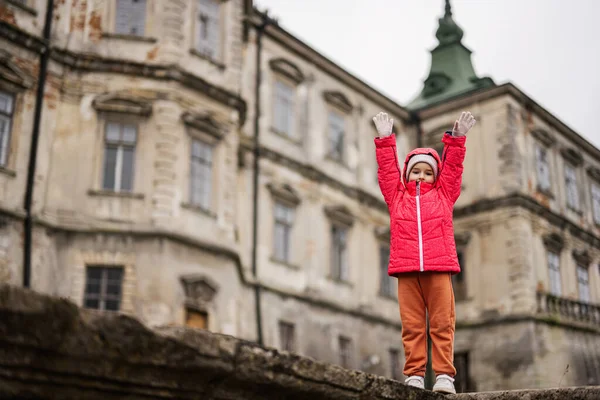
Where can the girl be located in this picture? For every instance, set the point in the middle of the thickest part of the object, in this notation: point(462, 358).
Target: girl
point(422, 250)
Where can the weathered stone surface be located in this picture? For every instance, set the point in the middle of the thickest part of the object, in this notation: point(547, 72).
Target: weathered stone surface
point(579, 393)
point(51, 349)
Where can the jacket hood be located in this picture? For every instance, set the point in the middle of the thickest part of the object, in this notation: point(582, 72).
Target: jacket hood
point(421, 150)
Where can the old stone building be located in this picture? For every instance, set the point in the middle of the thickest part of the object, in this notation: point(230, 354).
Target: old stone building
point(155, 191)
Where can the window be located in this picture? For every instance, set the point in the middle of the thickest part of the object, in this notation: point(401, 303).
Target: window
point(571, 186)
point(596, 202)
point(339, 253)
point(103, 288)
point(395, 371)
point(583, 283)
point(554, 273)
point(208, 28)
point(386, 283)
point(196, 319)
point(459, 283)
point(542, 167)
point(201, 171)
point(130, 17)
point(284, 105)
point(119, 154)
point(336, 135)
point(345, 345)
point(287, 336)
point(462, 381)
point(282, 232)
point(6, 111)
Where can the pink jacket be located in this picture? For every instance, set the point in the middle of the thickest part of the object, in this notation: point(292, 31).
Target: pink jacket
point(421, 228)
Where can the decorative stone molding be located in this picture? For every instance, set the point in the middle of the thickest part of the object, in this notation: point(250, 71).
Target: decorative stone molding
point(285, 193)
point(543, 136)
point(122, 103)
point(199, 290)
point(338, 99)
point(287, 69)
point(462, 239)
point(340, 215)
point(382, 233)
point(12, 74)
point(593, 173)
point(572, 156)
point(582, 257)
point(553, 242)
point(204, 122)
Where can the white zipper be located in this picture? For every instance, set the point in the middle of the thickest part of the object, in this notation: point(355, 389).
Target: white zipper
point(419, 225)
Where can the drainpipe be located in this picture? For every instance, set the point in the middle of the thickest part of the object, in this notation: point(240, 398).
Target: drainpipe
point(37, 116)
point(265, 21)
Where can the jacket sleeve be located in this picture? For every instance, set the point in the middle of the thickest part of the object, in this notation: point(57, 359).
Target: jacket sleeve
point(453, 156)
point(388, 172)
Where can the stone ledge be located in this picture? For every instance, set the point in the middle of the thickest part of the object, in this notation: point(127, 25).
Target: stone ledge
point(51, 349)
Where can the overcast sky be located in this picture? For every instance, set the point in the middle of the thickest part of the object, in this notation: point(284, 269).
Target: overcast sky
point(550, 49)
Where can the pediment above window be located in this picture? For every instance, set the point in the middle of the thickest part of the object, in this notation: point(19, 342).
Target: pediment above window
point(287, 69)
point(594, 173)
point(338, 99)
point(284, 193)
point(339, 214)
point(582, 257)
point(12, 74)
point(543, 136)
point(553, 242)
point(462, 239)
point(572, 156)
point(122, 103)
point(203, 122)
point(199, 289)
point(383, 233)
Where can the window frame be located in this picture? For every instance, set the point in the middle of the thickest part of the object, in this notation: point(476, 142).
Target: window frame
point(543, 186)
point(342, 156)
point(211, 147)
point(584, 298)
point(345, 347)
point(102, 294)
point(119, 161)
point(287, 336)
point(341, 272)
point(112, 27)
point(554, 271)
point(5, 153)
point(196, 48)
point(288, 225)
point(577, 206)
point(291, 132)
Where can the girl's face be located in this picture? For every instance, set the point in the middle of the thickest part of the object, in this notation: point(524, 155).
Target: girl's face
point(421, 172)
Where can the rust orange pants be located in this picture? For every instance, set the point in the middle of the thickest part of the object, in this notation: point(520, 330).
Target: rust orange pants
point(431, 291)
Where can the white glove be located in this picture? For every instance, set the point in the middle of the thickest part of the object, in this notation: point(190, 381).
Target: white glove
point(463, 124)
point(384, 124)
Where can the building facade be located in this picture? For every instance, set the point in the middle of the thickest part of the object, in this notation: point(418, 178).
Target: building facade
point(157, 191)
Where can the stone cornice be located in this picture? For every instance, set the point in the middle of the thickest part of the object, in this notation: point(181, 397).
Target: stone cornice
point(21, 38)
point(313, 174)
point(543, 137)
point(531, 205)
point(572, 156)
point(94, 63)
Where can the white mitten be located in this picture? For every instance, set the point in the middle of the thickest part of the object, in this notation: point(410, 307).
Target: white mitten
point(384, 124)
point(463, 124)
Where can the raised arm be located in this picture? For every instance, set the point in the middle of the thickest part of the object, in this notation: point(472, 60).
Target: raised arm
point(450, 178)
point(388, 172)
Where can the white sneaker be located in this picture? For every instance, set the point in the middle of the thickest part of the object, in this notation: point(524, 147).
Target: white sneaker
point(444, 384)
point(416, 381)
